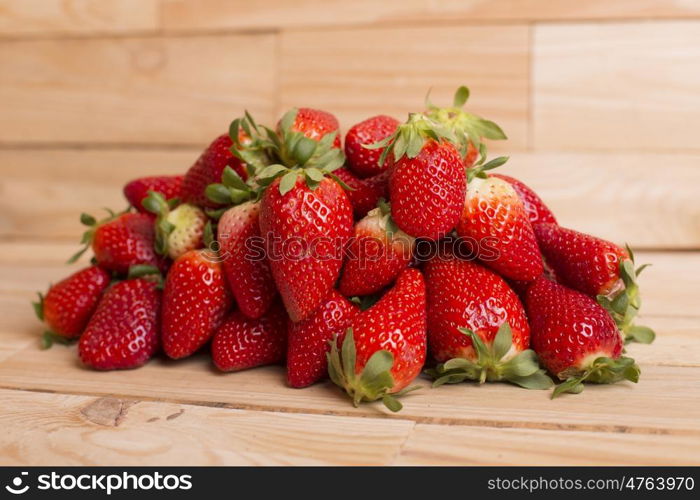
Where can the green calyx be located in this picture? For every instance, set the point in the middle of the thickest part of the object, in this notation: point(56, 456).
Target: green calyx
point(232, 190)
point(389, 224)
point(479, 169)
point(92, 224)
point(466, 127)
point(624, 304)
point(373, 383)
point(156, 203)
point(39, 307)
point(603, 370)
point(409, 138)
point(523, 369)
point(50, 338)
point(253, 149)
point(146, 272)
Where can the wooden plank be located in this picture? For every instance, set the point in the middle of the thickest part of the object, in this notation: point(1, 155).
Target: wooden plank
point(48, 429)
point(454, 445)
point(358, 73)
point(45, 190)
point(58, 17)
point(269, 14)
point(648, 200)
point(134, 90)
point(631, 86)
point(19, 327)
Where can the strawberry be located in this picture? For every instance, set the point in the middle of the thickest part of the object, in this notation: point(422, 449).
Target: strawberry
point(241, 343)
point(305, 231)
point(467, 128)
point(121, 241)
point(167, 185)
point(244, 260)
point(364, 194)
point(364, 162)
point(309, 339)
point(494, 216)
point(377, 253)
point(69, 304)
point(312, 123)
point(124, 331)
point(477, 326)
point(598, 268)
point(427, 180)
point(208, 170)
point(575, 338)
point(177, 230)
point(535, 208)
point(195, 301)
point(386, 347)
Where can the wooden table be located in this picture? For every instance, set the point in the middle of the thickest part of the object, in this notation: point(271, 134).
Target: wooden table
point(56, 412)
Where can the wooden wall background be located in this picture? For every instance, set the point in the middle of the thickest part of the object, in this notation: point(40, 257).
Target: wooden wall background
point(600, 98)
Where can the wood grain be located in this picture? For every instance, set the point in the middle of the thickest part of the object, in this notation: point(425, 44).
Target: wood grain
point(135, 90)
point(648, 200)
point(71, 17)
point(615, 86)
point(269, 14)
point(359, 73)
point(43, 429)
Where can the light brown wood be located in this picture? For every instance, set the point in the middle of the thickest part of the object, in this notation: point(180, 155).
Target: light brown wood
point(268, 14)
point(364, 72)
point(43, 429)
point(648, 200)
point(133, 90)
point(617, 86)
point(62, 17)
point(486, 446)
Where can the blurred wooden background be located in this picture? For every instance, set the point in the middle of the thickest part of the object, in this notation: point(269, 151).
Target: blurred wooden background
point(600, 98)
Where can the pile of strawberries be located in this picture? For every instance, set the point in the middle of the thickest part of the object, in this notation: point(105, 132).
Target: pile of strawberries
point(395, 253)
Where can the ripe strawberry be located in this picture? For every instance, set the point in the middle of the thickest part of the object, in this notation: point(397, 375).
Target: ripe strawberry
point(364, 162)
point(312, 123)
point(477, 326)
point(245, 263)
point(364, 194)
point(69, 304)
point(124, 331)
point(309, 339)
point(377, 253)
point(208, 169)
point(386, 347)
point(575, 338)
point(535, 208)
point(241, 343)
point(427, 180)
point(305, 231)
point(178, 230)
point(195, 301)
point(494, 216)
point(167, 185)
point(598, 268)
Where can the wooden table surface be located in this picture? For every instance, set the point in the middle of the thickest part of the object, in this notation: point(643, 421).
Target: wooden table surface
point(56, 412)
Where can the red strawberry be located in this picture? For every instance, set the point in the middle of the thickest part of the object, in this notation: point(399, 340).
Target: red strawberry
point(364, 194)
point(241, 343)
point(245, 263)
point(362, 161)
point(599, 268)
point(376, 255)
point(575, 338)
point(309, 339)
point(427, 180)
point(495, 217)
point(208, 169)
point(536, 209)
point(312, 123)
point(305, 231)
point(477, 326)
point(69, 304)
point(386, 347)
point(195, 301)
point(124, 331)
point(167, 185)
